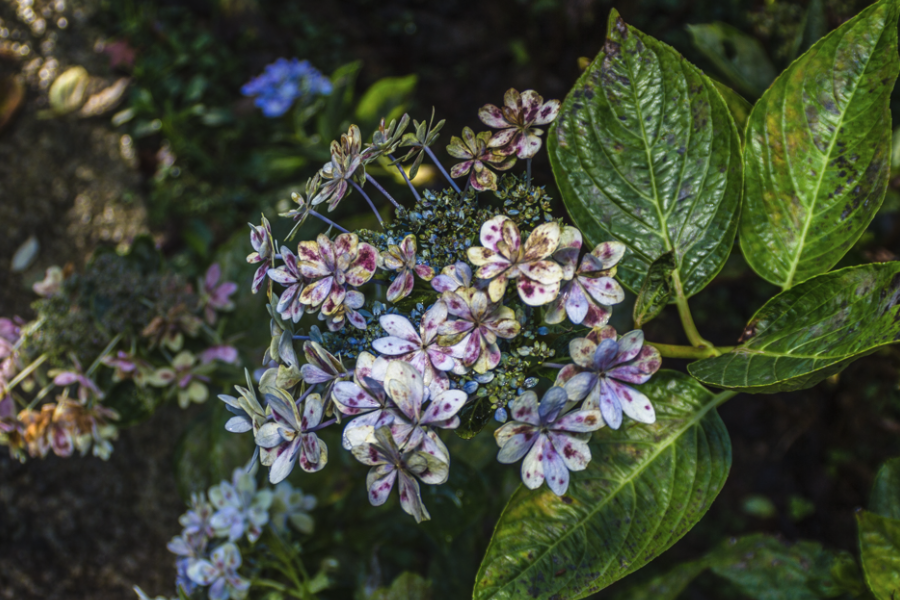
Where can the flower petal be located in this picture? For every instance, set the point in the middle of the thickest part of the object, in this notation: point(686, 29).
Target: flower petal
point(609, 404)
point(640, 369)
point(579, 421)
point(444, 406)
point(634, 404)
point(533, 465)
point(582, 351)
point(514, 439)
point(380, 482)
point(542, 271)
point(351, 399)
point(534, 293)
point(394, 346)
point(411, 499)
point(492, 116)
point(577, 304)
point(575, 453)
point(363, 265)
point(604, 290)
point(525, 409)
point(542, 242)
point(401, 286)
point(629, 346)
point(609, 254)
point(547, 113)
point(406, 388)
point(605, 355)
point(285, 458)
point(580, 385)
point(555, 471)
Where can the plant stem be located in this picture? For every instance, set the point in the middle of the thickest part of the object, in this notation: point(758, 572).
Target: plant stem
point(553, 365)
point(722, 397)
point(327, 220)
point(24, 373)
point(528, 180)
point(301, 337)
point(687, 321)
point(383, 191)
point(689, 352)
point(441, 168)
point(278, 586)
point(107, 350)
point(369, 200)
point(412, 188)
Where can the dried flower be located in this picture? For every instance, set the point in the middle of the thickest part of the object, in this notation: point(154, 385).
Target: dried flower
point(590, 289)
point(289, 305)
point(402, 258)
point(216, 296)
point(517, 120)
point(86, 386)
point(291, 436)
point(386, 140)
point(477, 157)
point(51, 284)
point(555, 441)
point(601, 364)
point(249, 415)
point(478, 324)
point(344, 165)
point(322, 367)
point(503, 257)
point(220, 573)
point(424, 136)
point(389, 463)
point(264, 251)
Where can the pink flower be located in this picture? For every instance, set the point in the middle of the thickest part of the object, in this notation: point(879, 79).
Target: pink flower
point(216, 295)
point(364, 396)
point(478, 159)
point(517, 120)
point(590, 289)
point(503, 257)
point(402, 258)
point(477, 326)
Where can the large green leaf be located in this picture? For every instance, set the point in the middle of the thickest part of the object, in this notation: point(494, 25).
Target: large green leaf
point(740, 57)
point(803, 335)
point(655, 291)
point(879, 545)
point(817, 154)
point(740, 108)
point(885, 500)
point(646, 486)
point(645, 151)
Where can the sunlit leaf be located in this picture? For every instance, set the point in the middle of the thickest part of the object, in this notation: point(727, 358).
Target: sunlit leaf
point(818, 150)
point(646, 486)
point(385, 99)
point(645, 152)
point(800, 337)
point(740, 57)
point(879, 545)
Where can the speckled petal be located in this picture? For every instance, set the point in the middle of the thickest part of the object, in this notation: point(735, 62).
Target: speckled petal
point(411, 499)
point(512, 238)
point(424, 272)
point(542, 242)
point(597, 315)
point(634, 404)
point(482, 178)
point(315, 293)
point(394, 346)
point(356, 319)
point(380, 482)
point(534, 293)
point(259, 277)
point(491, 232)
point(351, 399)
point(604, 290)
point(401, 287)
point(440, 358)
point(460, 169)
point(492, 116)
point(555, 311)
point(575, 453)
point(608, 403)
point(576, 303)
point(525, 409)
point(444, 406)
point(547, 112)
point(566, 254)
point(580, 385)
point(582, 352)
point(546, 272)
point(533, 465)
point(555, 472)
point(457, 305)
point(285, 459)
point(580, 421)
point(502, 138)
point(363, 266)
point(405, 385)
point(609, 254)
point(497, 287)
point(565, 374)
point(515, 440)
point(431, 321)
point(640, 369)
point(605, 355)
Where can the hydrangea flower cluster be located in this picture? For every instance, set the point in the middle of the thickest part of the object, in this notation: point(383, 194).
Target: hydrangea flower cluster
point(283, 82)
point(222, 527)
point(477, 292)
point(160, 351)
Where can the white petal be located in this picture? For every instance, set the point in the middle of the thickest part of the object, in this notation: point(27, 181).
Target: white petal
point(634, 404)
point(533, 466)
point(400, 327)
point(555, 472)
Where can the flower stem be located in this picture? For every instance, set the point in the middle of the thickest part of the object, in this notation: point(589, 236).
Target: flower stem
point(553, 365)
point(689, 352)
point(441, 168)
point(23, 374)
point(687, 321)
point(369, 200)
point(406, 177)
point(109, 348)
point(301, 337)
point(528, 168)
point(327, 220)
point(383, 191)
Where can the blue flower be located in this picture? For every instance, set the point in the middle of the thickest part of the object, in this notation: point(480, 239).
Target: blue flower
point(283, 82)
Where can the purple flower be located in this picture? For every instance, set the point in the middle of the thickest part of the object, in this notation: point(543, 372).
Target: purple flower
point(477, 326)
point(216, 296)
point(553, 443)
point(225, 354)
point(289, 305)
point(264, 251)
point(389, 464)
point(220, 573)
point(478, 159)
point(196, 521)
point(601, 365)
point(453, 277)
point(239, 507)
point(291, 437)
point(86, 387)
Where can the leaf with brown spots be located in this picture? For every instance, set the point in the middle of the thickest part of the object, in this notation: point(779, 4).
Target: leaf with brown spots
point(646, 486)
point(812, 331)
point(645, 151)
point(818, 150)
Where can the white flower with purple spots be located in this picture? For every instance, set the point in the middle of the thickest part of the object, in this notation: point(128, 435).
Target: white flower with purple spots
point(220, 573)
point(239, 507)
point(517, 119)
point(479, 322)
point(264, 251)
point(289, 275)
point(553, 442)
point(453, 277)
point(601, 366)
point(402, 258)
point(291, 437)
point(390, 464)
point(365, 399)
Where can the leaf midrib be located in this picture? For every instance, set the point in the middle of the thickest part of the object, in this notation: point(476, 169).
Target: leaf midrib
point(713, 402)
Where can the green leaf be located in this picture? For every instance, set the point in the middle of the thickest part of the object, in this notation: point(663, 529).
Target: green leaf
point(645, 151)
point(474, 416)
point(800, 337)
point(885, 500)
point(818, 150)
point(812, 29)
point(740, 57)
point(646, 486)
point(879, 545)
point(655, 291)
point(337, 107)
point(668, 585)
point(740, 108)
point(407, 586)
point(385, 99)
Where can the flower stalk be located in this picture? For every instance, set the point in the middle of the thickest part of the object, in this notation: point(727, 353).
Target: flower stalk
point(369, 200)
point(442, 170)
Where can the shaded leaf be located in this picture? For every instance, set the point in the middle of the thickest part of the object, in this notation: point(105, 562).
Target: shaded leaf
point(655, 291)
point(800, 337)
point(477, 412)
point(879, 545)
point(131, 402)
point(818, 150)
point(407, 586)
point(885, 500)
point(646, 486)
point(339, 102)
point(812, 29)
point(740, 57)
point(645, 152)
point(740, 108)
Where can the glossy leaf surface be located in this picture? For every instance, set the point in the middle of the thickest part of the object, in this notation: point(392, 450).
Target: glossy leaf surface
point(655, 291)
point(817, 154)
point(879, 545)
point(740, 57)
point(800, 337)
point(885, 500)
point(740, 108)
point(645, 152)
point(646, 486)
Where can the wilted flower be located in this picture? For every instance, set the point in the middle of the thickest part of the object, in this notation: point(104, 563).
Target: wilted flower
point(453, 277)
point(389, 463)
point(291, 436)
point(331, 266)
point(517, 120)
point(601, 364)
point(86, 386)
point(249, 415)
point(284, 81)
point(337, 173)
point(51, 284)
point(220, 573)
point(289, 305)
point(290, 504)
point(555, 442)
point(364, 396)
point(402, 258)
point(385, 140)
point(412, 427)
point(216, 296)
point(66, 426)
point(590, 289)
point(478, 325)
point(239, 507)
point(503, 257)
point(478, 159)
point(263, 251)
point(424, 136)
point(419, 348)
